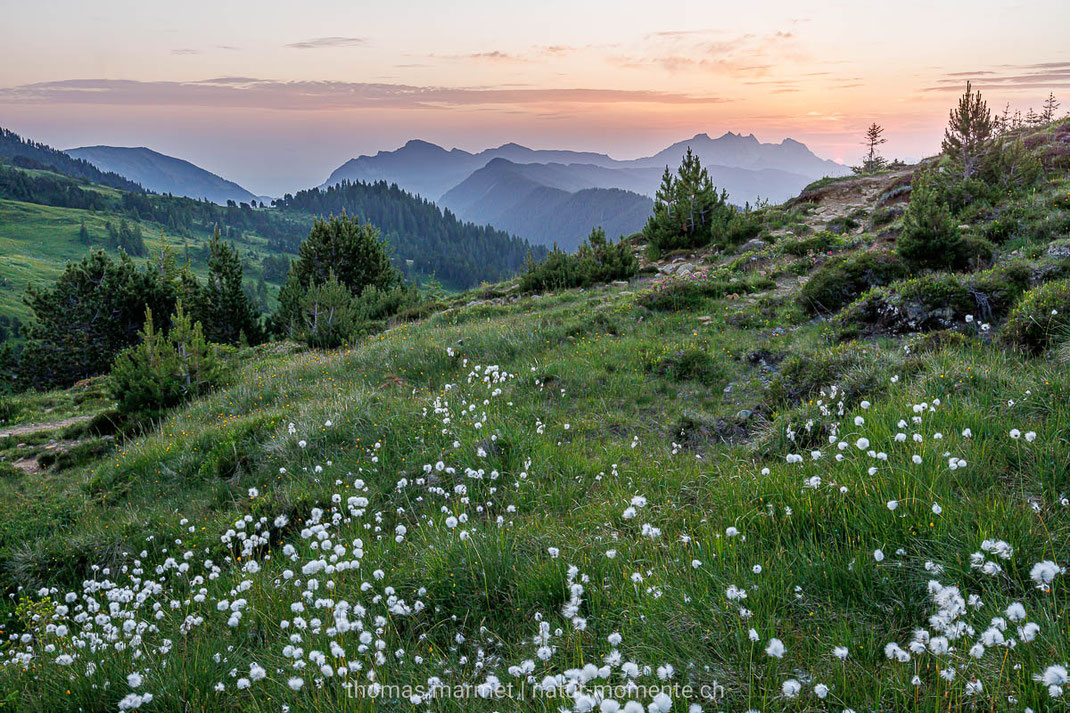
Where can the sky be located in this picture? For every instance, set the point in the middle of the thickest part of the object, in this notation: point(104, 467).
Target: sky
point(275, 95)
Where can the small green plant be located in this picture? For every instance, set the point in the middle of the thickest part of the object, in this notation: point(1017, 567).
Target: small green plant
point(1039, 317)
point(688, 294)
point(842, 224)
point(801, 376)
point(691, 364)
point(885, 215)
point(822, 242)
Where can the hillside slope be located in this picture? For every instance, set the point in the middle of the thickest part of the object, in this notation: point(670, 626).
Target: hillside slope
point(704, 487)
point(163, 174)
point(35, 155)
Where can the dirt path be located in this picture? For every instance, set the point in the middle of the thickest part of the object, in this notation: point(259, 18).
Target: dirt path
point(32, 428)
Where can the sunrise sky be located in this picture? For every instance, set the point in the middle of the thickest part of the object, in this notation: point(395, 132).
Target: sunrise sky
point(274, 95)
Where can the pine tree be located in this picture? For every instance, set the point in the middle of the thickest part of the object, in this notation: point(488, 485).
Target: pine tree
point(225, 310)
point(328, 315)
point(197, 367)
point(930, 237)
point(969, 126)
point(1002, 123)
point(93, 310)
point(165, 262)
point(873, 161)
point(83, 234)
point(162, 371)
point(353, 252)
point(688, 211)
point(1050, 106)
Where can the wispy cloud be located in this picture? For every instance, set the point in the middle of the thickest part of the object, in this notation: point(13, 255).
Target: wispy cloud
point(492, 56)
point(317, 43)
point(246, 92)
point(1046, 75)
point(556, 49)
point(705, 51)
point(185, 51)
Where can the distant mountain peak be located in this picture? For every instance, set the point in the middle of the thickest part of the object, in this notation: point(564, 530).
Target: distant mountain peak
point(422, 145)
point(162, 173)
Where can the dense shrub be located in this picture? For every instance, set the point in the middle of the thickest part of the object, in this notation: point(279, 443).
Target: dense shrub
point(687, 294)
point(1009, 164)
point(221, 305)
point(937, 341)
point(883, 216)
point(93, 311)
point(1039, 317)
point(838, 283)
point(930, 236)
point(743, 226)
point(821, 242)
point(691, 364)
point(597, 260)
point(843, 224)
point(995, 291)
point(1027, 220)
point(163, 371)
point(937, 301)
point(328, 315)
point(951, 189)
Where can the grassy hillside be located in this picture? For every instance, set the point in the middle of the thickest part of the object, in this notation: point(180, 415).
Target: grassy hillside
point(504, 444)
point(721, 486)
point(37, 241)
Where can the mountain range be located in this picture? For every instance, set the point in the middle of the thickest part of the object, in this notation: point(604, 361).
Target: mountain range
point(160, 173)
point(523, 190)
point(545, 196)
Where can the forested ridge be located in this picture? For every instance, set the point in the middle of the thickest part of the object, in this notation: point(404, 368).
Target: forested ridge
point(32, 154)
point(435, 240)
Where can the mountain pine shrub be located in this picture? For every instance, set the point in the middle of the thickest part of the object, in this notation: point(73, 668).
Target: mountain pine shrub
point(596, 261)
point(328, 315)
point(162, 370)
point(930, 236)
point(353, 252)
point(839, 282)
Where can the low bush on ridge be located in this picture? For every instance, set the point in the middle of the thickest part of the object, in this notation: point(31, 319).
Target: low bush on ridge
point(1040, 317)
point(596, 261)
point(689, 293)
